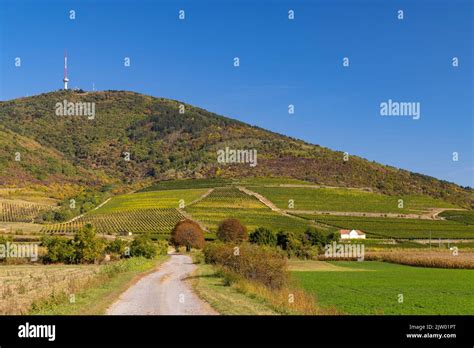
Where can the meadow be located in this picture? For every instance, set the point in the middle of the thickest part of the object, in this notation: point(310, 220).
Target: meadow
point(22, 285)
point(229, 202)
point(372, 287)
point(346, 200)
point(397, 227)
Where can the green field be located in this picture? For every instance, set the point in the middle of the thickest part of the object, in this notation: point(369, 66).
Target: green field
point(229, 202)
point(465, 217)
point(187, 184)
point(149, 200)
point(398, 228)
point(348, 200)
point(373, 288)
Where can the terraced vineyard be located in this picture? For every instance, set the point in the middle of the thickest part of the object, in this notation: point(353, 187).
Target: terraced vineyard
point(398, 228)
point(20, 211)
point(229, 202)
point(158, 221)
point(347, 200)
point(149, 200)
point(465, 217)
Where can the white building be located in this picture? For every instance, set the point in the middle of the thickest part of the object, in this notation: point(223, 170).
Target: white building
point(352, 234)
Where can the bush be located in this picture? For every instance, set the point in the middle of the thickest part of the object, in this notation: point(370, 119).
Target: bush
point(263, 236)
point(187, 233)
point(117, 246)
point(253, 262)
point(162, 247)
point(314, 237)
point(88, 246)
point(142, 245)
point(231, 230)
point(59, 250)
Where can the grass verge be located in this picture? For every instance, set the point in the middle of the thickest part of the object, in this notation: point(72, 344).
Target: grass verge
point(100, 292)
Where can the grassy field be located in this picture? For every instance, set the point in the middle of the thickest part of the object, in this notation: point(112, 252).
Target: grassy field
point(148, 200)
point(464, 217)
point(229, 202)
point(225, 299)
point(21, 285)
point(374, 287)
point(398, 228)
point(346, 200)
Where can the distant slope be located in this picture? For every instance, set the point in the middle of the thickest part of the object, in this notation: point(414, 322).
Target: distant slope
point(165, 144)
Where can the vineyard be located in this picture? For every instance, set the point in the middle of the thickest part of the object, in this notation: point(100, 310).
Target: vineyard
point(229, 202)
point(20, 211)
point(399, 228)
point(150, 200)
point(347, 200)
point(158, 221)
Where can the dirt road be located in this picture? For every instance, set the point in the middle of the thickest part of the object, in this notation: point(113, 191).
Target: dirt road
point(164, 291)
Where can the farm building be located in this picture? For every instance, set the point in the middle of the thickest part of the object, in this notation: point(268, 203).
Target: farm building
point(352, 234)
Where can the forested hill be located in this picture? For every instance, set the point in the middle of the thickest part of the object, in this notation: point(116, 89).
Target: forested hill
point(167, 139)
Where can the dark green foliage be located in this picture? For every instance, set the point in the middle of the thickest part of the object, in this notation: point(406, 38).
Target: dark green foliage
point(143, 245)
point(117, 246)
point(59, 250)
point(263, 236)
point(89, 247)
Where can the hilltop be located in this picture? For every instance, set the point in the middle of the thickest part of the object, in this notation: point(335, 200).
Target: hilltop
point(165, 143)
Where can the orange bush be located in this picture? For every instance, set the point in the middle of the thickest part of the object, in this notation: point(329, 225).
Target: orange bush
point(187, 233)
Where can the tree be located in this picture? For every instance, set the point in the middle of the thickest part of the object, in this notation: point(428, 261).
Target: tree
point(288, 241)
point(88, 246)
point(187, 233)
point(231, 230)
point(142, 245)
point(263, 236)
point(314, 237)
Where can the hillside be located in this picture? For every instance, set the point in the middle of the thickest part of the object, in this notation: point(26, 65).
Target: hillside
point(166, 144)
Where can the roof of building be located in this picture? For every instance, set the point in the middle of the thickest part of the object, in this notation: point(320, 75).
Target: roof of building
point(360, 233)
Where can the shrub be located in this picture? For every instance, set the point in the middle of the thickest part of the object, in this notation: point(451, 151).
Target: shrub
point(88, 246)
point(142, 245)
point(314, 237)
point(59, 250)
point(263, 236)
point(288, 241)
point(253, 262)
point(117, 246)
point(231, 230)
point(162, 247)
point(187, 233)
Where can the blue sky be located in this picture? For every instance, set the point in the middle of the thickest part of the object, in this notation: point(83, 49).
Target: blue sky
point(282, 62)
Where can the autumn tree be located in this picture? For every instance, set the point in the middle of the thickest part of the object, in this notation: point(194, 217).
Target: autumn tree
point(231, 230)
point(187, 233)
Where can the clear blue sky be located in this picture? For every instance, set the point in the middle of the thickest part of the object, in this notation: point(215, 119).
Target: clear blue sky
point(282, 62)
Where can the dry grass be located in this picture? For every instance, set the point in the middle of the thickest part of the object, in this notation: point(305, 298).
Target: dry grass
point(285, 300)
point(21, 286)
point(437, 259)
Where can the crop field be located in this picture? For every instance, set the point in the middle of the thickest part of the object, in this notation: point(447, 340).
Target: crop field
point(346, 200)
point(21, 285)
point(158, 221)
point(15, 211)
point(464, 217)
point(371, 287)
point(229, 202)
point(149, 200)
point(398, 228)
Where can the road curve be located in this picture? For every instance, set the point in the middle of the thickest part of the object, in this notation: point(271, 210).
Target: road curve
point(163, 292)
